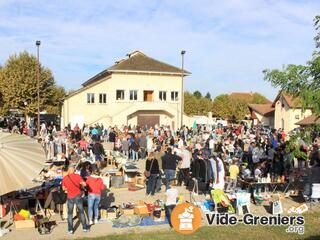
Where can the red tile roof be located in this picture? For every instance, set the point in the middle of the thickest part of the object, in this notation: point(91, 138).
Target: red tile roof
point(138, 62)
point(241, 95)
point(291, 101)
point(263, 109)
point(311, 120)
point(246, 96)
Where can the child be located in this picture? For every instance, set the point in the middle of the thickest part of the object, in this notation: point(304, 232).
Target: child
point(172, 195)
point(234, 172)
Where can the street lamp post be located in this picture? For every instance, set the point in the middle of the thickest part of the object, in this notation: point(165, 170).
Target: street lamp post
point(38, 87)
point(182, 91)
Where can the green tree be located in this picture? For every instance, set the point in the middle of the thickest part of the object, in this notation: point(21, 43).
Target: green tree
point(208, 96)
point(222, 106)
point(197, 94)
point(258, 98)
point(227, 107)
point(195, 106)
point(55, 103)
point(302, 81)
point(18, 85)
point(190, 104)
point(204, 105)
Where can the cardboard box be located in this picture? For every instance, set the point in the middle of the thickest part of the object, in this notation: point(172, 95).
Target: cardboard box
point(103, 214)
point(112, 215)
point(141, 210)
point(25, 224)
point(128, 211)
point(140, 202)
point(130, 180)
point(140, 181)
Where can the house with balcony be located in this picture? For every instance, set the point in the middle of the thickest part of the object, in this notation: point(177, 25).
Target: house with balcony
point(137, 90)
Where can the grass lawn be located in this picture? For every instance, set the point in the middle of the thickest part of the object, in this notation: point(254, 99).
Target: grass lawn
point(311, 232)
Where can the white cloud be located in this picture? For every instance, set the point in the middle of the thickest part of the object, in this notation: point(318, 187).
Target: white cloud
point(228, 43)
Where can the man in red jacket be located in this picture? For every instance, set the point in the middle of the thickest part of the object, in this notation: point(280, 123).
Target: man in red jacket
point(72, 184)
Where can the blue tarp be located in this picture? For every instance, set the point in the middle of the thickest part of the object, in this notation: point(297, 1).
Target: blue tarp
point(146, 221)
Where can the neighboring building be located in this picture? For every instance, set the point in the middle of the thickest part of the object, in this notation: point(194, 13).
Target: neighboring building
point(288, 112)
point(245, 96)
point(262, 114)
point(248, 97)
point(309, 121)
point(137, 90)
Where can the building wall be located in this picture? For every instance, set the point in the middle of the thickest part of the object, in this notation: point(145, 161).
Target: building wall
point(115, 112)
point(286, 117)
point(267, 121)
point(296, 115)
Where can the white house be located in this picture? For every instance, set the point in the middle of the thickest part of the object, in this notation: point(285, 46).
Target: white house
point(288, 112)
point(138, 90)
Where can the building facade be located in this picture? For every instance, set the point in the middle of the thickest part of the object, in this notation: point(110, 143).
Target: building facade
point(288, 112)
point(137, 90)
point(262, 114)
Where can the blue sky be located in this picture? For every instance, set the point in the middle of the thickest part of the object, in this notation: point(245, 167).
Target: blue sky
point(228, 43)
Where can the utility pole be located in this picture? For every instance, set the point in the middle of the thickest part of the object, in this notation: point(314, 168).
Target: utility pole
point(182, 89)
point(38, 87)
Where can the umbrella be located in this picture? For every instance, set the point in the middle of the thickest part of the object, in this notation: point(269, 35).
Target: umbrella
point(21, 160)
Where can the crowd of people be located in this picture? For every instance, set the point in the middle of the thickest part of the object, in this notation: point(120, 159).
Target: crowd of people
point(200, 158)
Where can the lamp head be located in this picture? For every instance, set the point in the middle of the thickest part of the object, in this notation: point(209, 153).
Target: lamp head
point(38, 43)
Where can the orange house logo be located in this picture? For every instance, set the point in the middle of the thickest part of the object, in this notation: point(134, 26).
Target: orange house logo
point(186, 218)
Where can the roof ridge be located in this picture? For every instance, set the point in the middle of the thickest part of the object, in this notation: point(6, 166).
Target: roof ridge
point(134, 52)
point(137, 61)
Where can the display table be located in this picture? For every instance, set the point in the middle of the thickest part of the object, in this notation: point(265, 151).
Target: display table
point(252, 186)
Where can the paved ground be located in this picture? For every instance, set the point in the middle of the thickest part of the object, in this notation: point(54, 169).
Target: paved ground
point(105, 228)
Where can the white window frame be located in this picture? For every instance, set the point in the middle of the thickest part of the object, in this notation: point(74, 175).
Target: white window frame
point(103, 97)
point(90, 98)
point(162, 96)
point(123, 97)
point(135, 95)
point(174, 96)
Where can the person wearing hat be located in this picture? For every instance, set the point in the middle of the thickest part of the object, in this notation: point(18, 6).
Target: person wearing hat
point(72, 183)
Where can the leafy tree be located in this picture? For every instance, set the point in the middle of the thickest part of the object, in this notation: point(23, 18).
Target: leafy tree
point(239, 109)
point(204, 105)
point(195, 106)
point(190, 104)
point(302, 81)
point(222, 106)
point(18, 86)
point(197, 94)
point(258, 98)
point(54, 105)
point(227, 107)
point(208, 96)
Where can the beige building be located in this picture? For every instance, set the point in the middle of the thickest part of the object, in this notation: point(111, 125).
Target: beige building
point(137, 90)
point(288, 112)
point(262, 114)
